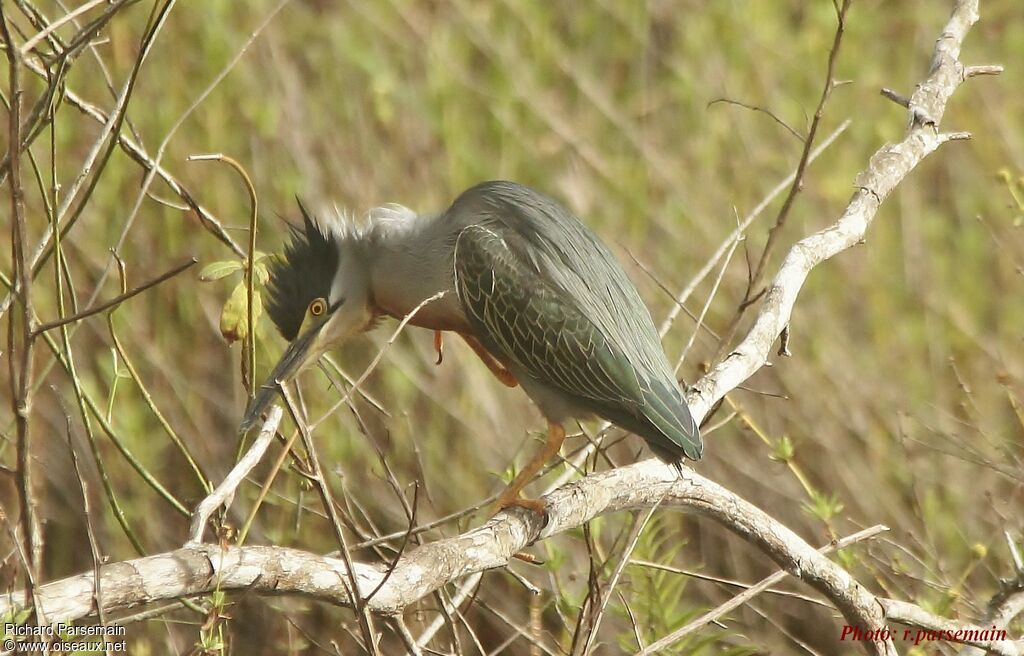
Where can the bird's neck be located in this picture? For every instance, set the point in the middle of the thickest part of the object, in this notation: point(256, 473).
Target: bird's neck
point(414, 262)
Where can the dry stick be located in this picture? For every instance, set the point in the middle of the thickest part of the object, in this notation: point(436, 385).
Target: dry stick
point(520, 631)
point(250, 341)
point(726, 582)
point(763, 110)
point(685, 292)
point(20, 360)
point(137, 153)
point(225, 492)
point(86, 511)
point(460, 596)
point(750, 295)
point(707, 305)
point(327, 499)
point(133, 373)
point(78, 11)
point(641, 524)
point(100, 151)
point(717, 613)
point(117, 300)
point(406, 636)
point(32, 589)
point(279, 570)
point(265, 488)
point(151, 172)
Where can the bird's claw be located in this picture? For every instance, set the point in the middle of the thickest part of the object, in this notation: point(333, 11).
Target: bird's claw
point(505, 501)
point(439, 347)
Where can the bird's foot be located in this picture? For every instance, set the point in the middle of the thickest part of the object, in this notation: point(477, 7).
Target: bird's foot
point(439, 346)
point(510, 498)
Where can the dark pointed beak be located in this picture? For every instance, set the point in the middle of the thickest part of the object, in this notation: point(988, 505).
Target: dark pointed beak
point(296, 355)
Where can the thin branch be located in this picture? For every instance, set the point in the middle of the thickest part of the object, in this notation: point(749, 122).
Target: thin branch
point(753, 293)
point(634, 538)
point(117, 300)
point(724, 246)
point(755, 108)
point(225, 492)
point(359, 598)
point(52, 27)
point(249, 370)
point(20, 355)
point(764, 585)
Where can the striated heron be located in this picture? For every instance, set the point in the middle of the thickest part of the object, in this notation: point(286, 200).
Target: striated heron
point(531, 289)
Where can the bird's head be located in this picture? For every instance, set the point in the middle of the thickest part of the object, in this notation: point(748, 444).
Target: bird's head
point(318, 296)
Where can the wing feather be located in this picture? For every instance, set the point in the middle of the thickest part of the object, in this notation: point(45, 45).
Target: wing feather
point(546, 293)
point(530, 323)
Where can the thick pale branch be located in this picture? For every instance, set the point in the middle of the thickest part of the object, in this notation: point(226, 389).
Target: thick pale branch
point(886, 169)
point(1004, 607)
point(199, 569)
point(946, 629)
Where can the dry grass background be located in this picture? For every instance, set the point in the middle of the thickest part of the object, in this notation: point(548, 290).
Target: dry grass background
point(903, 403)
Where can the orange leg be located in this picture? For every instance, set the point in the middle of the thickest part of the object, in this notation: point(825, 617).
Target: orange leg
point(510, 497)
point(500, 372)
point(439, 347)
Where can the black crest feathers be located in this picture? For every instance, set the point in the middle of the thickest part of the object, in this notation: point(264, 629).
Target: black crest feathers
point(304, 273)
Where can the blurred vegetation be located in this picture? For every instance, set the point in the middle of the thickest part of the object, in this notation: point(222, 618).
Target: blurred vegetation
point(903, 403)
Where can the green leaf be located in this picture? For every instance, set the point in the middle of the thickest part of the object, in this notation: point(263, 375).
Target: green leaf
point(262, 275)
point(823, 507)
point(234, 319)
point(783, 450)
point(217, 270)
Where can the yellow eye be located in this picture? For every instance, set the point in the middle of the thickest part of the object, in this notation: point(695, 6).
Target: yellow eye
point(317, 307)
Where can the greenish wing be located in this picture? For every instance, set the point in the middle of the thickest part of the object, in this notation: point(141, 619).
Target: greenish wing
point(518, 313)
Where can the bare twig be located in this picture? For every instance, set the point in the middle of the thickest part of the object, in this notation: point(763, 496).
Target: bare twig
point(634, 538)
point(358, 597)
point(249, 370)
point(117, 300)
point(94, 548)
point(720, 611)
point(900, 100)
point(753, 291)
point(224, 493)
point(55, 25)
point(20, 355)
point(726, 243)
point(755, 108)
